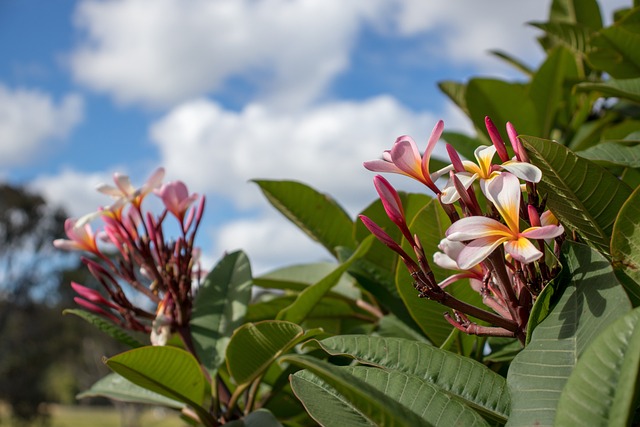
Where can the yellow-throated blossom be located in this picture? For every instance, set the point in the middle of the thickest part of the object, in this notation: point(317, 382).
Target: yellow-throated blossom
point(485, 171)
point(486, 234)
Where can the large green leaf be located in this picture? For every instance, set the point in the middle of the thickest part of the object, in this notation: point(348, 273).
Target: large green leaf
point(259, 418)
point(105, 326)
point(301, 276)
point(307, 299)
point(115, 387)
point(573, 36)
point(456, 92)
point(349, 401)
point(430, 225)
point(585, 12)
point(169, 371)
point(611, 153)
point(615, 49)
point(420, 396)
point(584, 196)
point(623, 88)
point(470, 381)
point(625, 246)
point(503, 102)
point(590, 302)
point(254, 346)
point(315, 213)
point(220, 307)
point(547, 86)
point(602, 389)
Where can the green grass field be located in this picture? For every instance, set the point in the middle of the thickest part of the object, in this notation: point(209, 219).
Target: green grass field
point(80, 416)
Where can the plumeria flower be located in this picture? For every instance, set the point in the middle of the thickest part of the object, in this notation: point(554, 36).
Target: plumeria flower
point(447, 259)
point(176, 198)
point(124, 189)
point(486, 234)
point(80, 234)
point(404, 158)
point(485, 171)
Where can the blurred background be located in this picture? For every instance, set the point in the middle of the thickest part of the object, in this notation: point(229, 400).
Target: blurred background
point(218, 92)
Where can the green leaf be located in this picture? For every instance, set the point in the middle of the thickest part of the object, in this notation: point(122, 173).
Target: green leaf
point(391, 327)
point(299, 277)
point(603, 387)
point(109, 328)
point(470, 381)
point(541, 308)
point(259, 418)
point(515, 63)
point(317, 214)
point(503, 102)
point(585, 12)
point(547, 86)
point(625, 246)
point(613, 154)
point(169, 371)
point(430, 225)
point(572, 36)
point(456, 92)
point(307, 299)
point(115, 387)
point(426, 400)
point(255, 346)
point(584, 196)
point(615, 48)
point(591, 301)
point(349, 401)
point(623, 88)
point(219, 308)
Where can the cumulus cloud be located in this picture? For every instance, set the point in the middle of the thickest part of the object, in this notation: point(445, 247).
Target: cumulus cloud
point(219, 151)
point(30, 120)
point(269, 240)
point(160, 52)
point(73, 190)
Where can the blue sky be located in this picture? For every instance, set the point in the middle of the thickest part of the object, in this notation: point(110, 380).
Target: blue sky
point(221, 92)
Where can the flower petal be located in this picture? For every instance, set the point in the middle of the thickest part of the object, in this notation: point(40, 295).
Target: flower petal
point(382, 166)
point(522, 250)
point(449, 193)
point(475, 227)
point(407, 158)
point(433, 139)
point(545, 232)
point(504, 192)
point(525, 171)
point(477, 250)
point(484, 155)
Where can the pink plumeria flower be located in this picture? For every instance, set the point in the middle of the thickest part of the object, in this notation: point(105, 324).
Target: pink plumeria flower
point(176, 198)
point(404, 158)
point(484, 170)
point(124, 189)
point(486, 234)
point(80, 234)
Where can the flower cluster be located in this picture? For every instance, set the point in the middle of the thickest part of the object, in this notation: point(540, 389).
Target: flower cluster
point(499, 247)
point(131, 248)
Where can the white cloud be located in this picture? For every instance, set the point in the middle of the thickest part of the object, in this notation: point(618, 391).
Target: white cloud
point(270, 241)
point(466, 30)
point(160, 52)
point(30, 120)
point(73, 190)
point(219, 151)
